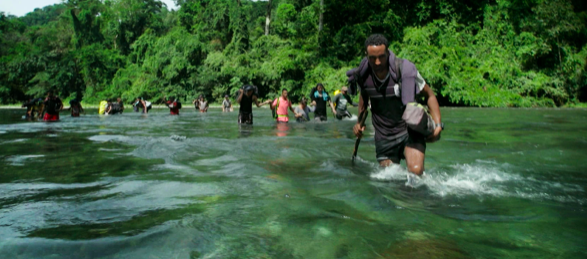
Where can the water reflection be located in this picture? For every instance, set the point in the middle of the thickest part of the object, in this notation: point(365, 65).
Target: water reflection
point(245, 130)
point(282, 129)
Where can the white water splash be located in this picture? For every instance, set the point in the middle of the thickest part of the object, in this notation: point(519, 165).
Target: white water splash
point(20, 160)
point(352, 118)
point(485, 180)
point(13, 141)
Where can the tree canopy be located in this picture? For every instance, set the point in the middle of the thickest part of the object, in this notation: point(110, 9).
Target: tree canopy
point(509, 53)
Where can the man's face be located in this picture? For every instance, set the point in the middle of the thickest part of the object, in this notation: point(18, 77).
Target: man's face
point(343, 92)
point(284, 94)
point(249, 93)
point(118, 99)
point(377, 56)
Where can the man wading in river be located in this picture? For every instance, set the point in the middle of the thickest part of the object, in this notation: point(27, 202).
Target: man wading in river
point(53, 106)
point(380, 87)
point(246, 98)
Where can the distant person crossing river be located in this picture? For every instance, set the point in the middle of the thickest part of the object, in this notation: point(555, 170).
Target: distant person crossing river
point(247, 95)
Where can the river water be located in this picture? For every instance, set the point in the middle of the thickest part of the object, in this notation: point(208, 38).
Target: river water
point(502, 183)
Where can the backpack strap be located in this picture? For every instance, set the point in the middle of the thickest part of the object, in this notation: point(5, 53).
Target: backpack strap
point(398, 68)
point(275, 115)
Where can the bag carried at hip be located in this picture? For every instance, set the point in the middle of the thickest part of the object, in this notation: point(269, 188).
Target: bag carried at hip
point(418, 119)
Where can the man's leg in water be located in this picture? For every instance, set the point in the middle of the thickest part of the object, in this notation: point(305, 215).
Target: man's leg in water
point(414, 160)
point(411, 147)
point(390, 151)
point(385, 163)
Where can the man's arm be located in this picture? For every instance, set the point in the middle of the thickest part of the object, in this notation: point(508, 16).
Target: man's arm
point(332, 106)
point(256, 101)
point(434, 109)
point(144, 106)
point(292, 110)
point(363, 105)
point(240, 96)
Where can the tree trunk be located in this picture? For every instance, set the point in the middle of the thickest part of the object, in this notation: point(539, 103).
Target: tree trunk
point(268, 18)
point(321, 21)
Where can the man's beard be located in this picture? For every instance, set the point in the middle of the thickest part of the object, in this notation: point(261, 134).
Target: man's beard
point(380, 68)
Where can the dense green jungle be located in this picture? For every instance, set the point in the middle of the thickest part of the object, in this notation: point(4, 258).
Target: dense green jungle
point(482, 53)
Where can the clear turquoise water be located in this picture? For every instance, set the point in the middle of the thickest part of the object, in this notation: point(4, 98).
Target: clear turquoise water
point(502, 183)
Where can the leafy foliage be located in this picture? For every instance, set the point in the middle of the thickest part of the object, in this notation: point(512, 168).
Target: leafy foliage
point(510, 53)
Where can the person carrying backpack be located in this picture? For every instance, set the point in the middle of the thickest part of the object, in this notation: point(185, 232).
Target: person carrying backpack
point(115, 107)
point(340, 103)
point(174, 105)
point(53, 106)
point(202, 104)
point(75, 107)
point(226, 104)
point(281, 104)
point(247, 95)
point(389, 84)
point(32, 107)
point(140, 103)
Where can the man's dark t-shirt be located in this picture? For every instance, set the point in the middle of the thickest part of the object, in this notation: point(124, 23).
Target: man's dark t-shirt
point(246, 104)
point(387, 108)
point(52, 105)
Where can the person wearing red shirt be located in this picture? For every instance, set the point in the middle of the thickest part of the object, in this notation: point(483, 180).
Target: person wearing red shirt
point(174, 105)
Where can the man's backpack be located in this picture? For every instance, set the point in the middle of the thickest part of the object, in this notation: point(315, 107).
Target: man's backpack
point(274, 110)
point(244, 87)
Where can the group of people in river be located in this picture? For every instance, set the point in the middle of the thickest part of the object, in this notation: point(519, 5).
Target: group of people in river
point(48, 108)
point(387, 85)
point(280, 106)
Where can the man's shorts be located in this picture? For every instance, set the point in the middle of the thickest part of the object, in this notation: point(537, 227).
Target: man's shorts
point(51, 117)
point(394, 149)
point(245, 118)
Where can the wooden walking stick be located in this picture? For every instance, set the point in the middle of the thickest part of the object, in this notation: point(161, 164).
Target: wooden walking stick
point(362, 118)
